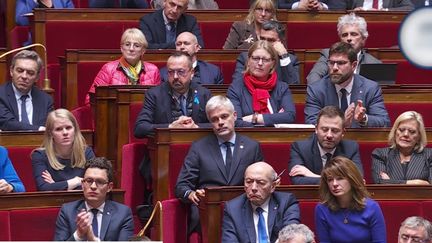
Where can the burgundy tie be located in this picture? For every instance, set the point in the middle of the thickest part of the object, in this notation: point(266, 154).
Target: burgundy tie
point(375, 4)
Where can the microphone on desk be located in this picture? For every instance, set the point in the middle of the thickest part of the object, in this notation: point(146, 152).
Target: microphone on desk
point(46, 85)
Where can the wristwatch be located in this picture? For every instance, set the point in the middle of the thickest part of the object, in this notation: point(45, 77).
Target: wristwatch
point(284, 56)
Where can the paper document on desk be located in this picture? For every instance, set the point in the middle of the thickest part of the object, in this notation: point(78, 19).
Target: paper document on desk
point(294, 125)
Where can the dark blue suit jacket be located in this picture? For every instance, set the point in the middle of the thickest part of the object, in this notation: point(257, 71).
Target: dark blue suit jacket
point(113, 4)
point(153, 27)
point(117, 222)
point(27, 6)
point(205, 73)
point(306, 153)
point(238, 224)
point(332, 4)
point(288, 74)
point(9, 118)
point(280, 99)
point(156, 111)
point(323, 93)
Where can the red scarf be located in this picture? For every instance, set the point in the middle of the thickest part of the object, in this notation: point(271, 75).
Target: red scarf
point(260, 91)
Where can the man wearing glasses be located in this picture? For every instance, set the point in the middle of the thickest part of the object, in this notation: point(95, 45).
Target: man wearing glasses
point(359, 98)
point(416, 230)
point(95, 218)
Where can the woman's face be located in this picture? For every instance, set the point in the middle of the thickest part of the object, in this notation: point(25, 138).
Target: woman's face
point(339, 186)
point(407, 134)
point(260, 63)
point(132, 51)
point(63, 132)
point(262, 13)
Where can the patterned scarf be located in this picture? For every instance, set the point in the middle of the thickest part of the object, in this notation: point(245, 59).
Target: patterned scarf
point(260, 91)
point(132, 73)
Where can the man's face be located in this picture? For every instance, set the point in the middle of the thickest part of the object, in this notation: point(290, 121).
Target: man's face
point(269, 35)
point(340, 68)
point(412, 235)
point(24, 74)
point(173, 9)
point(351, 35)
point(258, 185)
point(179, 74)
point(223, 122)
point(95, 186)
point(329, 132)
point(187, 43)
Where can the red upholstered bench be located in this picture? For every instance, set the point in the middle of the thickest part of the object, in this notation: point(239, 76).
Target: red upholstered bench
point(326, 31)
point(21, 160)
point(4, 226)
point(395, 109)
point(366, 158)
point(33, 224)
point(278, 156)
point(215, 34)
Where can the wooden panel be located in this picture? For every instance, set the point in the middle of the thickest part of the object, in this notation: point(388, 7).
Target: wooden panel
point(32, 138)
point(3, 67)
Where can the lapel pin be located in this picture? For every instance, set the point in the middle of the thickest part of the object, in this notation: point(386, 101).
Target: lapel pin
point(108, 213)
point(241, 146)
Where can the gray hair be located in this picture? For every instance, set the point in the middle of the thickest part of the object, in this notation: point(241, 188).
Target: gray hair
point(26, 54)
point(217, 102)
point(275, 26)
point(415, 222)
point(290, 231)
point(353, 19)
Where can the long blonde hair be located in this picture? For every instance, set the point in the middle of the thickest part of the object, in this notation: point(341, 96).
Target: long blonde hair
point(270, 4)
point(78, 147)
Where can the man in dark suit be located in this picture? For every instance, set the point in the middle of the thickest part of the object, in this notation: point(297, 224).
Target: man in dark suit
point(385, 5)
point(287, 67)
point(311, 5)
point(95, 218)
point(351, 29)
point(421, 3)
point(259, 214)
point(204, 72)
point(22, 105)
point(219, 159)
point(359, 98)
point(162, 27)
point(178, 103)
point(309, 156)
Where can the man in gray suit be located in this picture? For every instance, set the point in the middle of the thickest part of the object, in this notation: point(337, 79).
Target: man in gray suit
point(219, 159)
point(351, 29)
point(359, 98)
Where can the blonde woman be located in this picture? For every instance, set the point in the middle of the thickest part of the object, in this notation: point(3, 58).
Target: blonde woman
point(59, 163)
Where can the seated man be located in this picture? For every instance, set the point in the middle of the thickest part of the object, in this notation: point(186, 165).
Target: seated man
point(162, 27)
point(309, 156)
point(9, 180)
point(219, 159)
point(260, 213)
point(95, 218)
point(287, 67)
point(415, 229)
point(374, 5)
point(178, 103)
point(351, 29)
point(204, 72)
point(296, 233)
point(359, 98)
point(22, 105)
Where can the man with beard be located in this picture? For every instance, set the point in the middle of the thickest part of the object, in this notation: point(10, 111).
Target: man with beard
point(309, 156)
point(204, 72)
point(219, 159)
point(359, 98)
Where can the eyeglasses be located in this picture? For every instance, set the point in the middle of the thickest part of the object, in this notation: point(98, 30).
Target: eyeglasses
point(179, 72)
point(134, 45)
point(263, 10)
point(414, 239)
point(263, 59)
point(331, 63)
point(90, 181)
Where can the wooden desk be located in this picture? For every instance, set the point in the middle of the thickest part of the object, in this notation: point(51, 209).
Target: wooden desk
point(32, 138)
point(211, 210)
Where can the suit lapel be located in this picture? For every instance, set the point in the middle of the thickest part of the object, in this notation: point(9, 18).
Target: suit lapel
point(237, 155)
point(394, 162)
point(160, 25)
point(272, 212)
point(167, 102)
point(247, 97)
point(195, 99)
point(36, 108)
point(216, 155)
point(317, 161)
point(11, 99)
point(106, 219)
point(333, 99)
point(249, 221)
point(357, 92)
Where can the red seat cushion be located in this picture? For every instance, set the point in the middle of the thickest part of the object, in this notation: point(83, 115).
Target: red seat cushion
point(307, 214)
point(4, 226)
point(366, 158)
point(395, 109)
point(33, 224)
point(215, 34)
point(277, 155)
point(21, 160)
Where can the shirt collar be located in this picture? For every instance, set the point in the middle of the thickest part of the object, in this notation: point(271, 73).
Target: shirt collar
point(264, 206)
point(323, 152)
point(348, 88)
point(166, 21)
point(232, 140)
point(18, 94)
point(100, 208)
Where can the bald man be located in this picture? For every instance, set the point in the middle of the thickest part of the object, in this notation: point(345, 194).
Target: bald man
point(205, 73)
point(259, 213)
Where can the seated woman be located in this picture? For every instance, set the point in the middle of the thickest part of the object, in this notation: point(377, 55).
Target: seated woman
point(406, 161)
point(26, 6)
point(244, 33)
point(9, 180)
point(59, 163)
point(261, 99)
point(130, 68)
point(345, 212)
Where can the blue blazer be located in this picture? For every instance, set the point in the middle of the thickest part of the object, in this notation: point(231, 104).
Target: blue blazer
point(9, 118)
point(156, 111)
point(288, 74)
point(323, 93)
point(306, 153)
point(205, 73)
point(238, 224)
point(280, 100)
point(8, 173)
point(27, 6)
point(117, 222)
point(153, 27)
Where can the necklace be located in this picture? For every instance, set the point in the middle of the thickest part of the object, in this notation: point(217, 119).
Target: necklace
point(346, 213)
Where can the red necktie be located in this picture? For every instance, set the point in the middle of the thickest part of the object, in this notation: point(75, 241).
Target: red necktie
point(375, 4)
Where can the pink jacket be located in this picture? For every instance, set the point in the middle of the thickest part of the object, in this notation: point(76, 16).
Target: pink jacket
point(111, 74)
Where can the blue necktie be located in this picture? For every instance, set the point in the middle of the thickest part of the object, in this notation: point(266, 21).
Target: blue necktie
point(228, 158)
point(171, 33)
point(24, 116)
point(183, 105)
point(344, 102)
point(95, 222)
point(262, 232)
